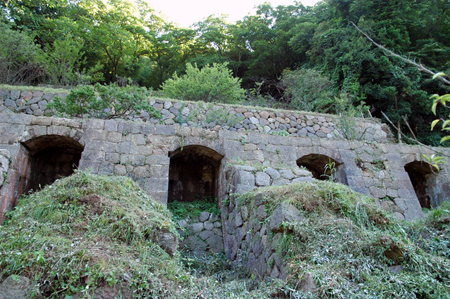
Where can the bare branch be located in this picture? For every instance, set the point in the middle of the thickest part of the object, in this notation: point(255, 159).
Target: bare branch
point(415, 140)
point(419, 66)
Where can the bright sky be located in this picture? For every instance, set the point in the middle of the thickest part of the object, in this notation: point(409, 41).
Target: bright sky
point(188, 12)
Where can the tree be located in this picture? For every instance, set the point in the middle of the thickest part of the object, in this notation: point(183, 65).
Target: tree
point(19, 57)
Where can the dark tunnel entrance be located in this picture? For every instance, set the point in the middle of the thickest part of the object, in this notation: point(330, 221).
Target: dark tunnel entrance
point(421, 174)
point(323, 167)
point(50, 158)
point(194, 174)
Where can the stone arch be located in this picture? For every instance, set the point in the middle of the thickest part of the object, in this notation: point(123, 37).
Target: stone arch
point(422, 176)
point(49, 157)
point(195, 173)
point(317, 164)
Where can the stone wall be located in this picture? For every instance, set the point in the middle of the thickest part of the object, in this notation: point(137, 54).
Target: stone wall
point(201, 235)
point(142, 151)
point(216, 117)
point(255, 239)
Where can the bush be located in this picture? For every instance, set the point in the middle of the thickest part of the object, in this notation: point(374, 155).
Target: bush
point(108, 101)
point(210, 84)
point(19, 57)
point(308, 90)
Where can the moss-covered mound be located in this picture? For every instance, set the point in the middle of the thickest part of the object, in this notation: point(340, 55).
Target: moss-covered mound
point(85, 232)
point(346, 246)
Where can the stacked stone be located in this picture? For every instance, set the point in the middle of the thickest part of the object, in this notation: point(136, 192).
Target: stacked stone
point(244, 178)
point(202, 235)
point(5, 158)
point(193, 114)
point(33, 103)
point(254, 238)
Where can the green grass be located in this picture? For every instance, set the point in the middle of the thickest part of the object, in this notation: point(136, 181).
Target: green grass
point(88, 231)
point(34, 88)
point(348, 244)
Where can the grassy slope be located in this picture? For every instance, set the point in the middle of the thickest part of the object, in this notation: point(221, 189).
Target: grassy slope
point(87, 231)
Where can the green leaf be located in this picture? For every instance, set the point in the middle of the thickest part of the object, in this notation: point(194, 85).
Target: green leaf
point(434, 123)
point(440, 74)
point(445, 138)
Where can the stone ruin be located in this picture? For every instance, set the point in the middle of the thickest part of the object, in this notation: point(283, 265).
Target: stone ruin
point(183, 157)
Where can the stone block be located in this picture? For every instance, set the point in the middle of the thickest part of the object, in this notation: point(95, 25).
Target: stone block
point(285, 213)
point(197, 227)
point(262, 179)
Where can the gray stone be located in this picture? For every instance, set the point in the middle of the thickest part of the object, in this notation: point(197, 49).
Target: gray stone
point(287, 174)
point(307, 283)
point(168, 242)
point(302, 180)
point(275, 175)
point(285, 213)
point(204, 216)
point(205, 234)
point(262, 179)
point(247, 178)
point(17, 287)
point(208, 225)
point(197, 227)
point(215, 243)
point(280, 182)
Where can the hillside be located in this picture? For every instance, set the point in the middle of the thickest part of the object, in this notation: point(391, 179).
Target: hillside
point(102, 237)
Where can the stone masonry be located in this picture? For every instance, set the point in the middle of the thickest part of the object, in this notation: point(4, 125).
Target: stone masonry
point(141, 149)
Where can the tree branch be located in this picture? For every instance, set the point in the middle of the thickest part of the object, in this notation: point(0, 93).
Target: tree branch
point(420, 67)
point(415, 140)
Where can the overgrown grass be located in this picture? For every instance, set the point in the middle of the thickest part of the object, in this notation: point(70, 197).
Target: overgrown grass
point(86, 231)
point(193, 209)
point(33, 88)
point(349, 245)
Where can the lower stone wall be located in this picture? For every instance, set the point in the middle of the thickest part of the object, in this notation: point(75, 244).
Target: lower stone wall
point(255, 239)
point(201, 235)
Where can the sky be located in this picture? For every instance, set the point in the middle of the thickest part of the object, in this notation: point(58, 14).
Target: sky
point(188, 12)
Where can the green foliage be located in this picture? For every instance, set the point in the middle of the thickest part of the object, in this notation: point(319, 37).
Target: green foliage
point(348, 113)
point(105, 101)
point(308, 90)
point(63, 60)
point(19, 57)
point(84, 231)
point(209, 84)
point(193, 209)
point(348, 244)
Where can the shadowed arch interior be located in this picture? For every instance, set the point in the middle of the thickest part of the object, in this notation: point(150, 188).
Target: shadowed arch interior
point(322, 167)
point(194, 174)
point(51, 157)
point(421, 173)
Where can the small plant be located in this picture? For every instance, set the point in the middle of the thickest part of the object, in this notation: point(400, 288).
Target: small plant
point(330, 170)
point(280, 133)
point(105, 101)
point(193, 209)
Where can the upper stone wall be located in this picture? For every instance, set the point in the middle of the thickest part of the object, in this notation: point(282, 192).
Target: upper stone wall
point(218, 116)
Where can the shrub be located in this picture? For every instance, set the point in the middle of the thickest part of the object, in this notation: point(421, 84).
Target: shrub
point(108, 101)
point(19, 57)
point(308, 90)
point(210, 84)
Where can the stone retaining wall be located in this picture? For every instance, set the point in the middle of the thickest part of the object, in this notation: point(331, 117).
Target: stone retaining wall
point(255, 239)
point(202, 235)
point(217, 117)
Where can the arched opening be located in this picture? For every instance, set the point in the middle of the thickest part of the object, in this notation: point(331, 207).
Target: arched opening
point(421, 175)
point(323, 167)
point(194, 174)
point(50, 157)
point(194, 191)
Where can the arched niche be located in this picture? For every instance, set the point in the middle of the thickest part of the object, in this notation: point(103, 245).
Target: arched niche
point(322, 167)
point(49, 158)
point(422, 176)
point(194, 174)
